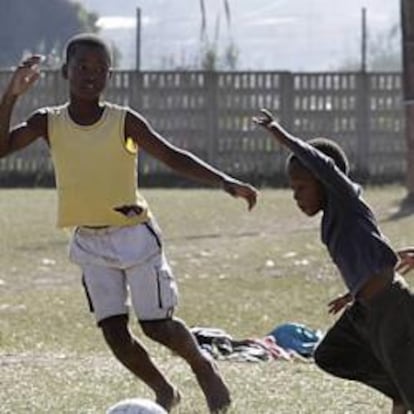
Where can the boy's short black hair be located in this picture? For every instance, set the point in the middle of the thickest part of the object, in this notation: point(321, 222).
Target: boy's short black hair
point(329, 148)
point(88, 39)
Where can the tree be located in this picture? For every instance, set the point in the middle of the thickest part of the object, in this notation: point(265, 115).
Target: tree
point(385, 51)
point(210, 59)
point(40, 26)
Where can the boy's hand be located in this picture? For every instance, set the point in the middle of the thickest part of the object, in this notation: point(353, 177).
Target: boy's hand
point(26, 74)
point(265, 119)
point(406, 262)
point(238, 189)
point(339, 303)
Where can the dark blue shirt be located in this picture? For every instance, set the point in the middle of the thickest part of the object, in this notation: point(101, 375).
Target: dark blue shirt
point(349, 228)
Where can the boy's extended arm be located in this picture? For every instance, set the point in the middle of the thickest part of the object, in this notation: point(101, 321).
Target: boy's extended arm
point(318, 163)
point(266, 120)
point(183, 161)
point(337, 304)
point(22, 79)
point(6, 108)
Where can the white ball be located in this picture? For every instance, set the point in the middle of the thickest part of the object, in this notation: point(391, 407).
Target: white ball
point(136, 406)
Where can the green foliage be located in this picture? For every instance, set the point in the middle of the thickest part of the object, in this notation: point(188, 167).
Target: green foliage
point(385, 51)
point(210, 57)
point(231, 56)
point(40, 26)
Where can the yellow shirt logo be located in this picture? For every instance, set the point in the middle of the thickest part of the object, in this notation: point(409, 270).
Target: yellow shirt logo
point(131, 146)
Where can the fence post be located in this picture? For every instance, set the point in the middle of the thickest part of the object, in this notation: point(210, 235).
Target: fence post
point(135, 101)
point(60, 87)
point(212, 111)
point(135, 90)
point(287, 110)
point(362, 125)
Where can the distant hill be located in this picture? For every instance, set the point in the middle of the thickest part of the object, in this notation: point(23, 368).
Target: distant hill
point(269, 34)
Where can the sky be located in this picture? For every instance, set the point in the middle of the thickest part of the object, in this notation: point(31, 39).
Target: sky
point(296, 35)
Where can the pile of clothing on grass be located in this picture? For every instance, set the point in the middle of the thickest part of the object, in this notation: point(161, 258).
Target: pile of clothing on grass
point(286, 342)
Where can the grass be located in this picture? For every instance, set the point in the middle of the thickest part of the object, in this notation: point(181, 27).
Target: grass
point(242, 272)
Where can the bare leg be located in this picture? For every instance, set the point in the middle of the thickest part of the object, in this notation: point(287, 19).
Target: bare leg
point(175, 335)
point(398, 408)
point(134, 356)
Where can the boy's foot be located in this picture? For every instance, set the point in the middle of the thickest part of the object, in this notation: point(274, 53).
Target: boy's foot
point(215, 390)
point(168, 400)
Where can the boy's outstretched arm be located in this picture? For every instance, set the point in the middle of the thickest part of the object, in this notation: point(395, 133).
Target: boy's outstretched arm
point(267, 121)
point(23, 78)
point(322, 166)
point(183, 161)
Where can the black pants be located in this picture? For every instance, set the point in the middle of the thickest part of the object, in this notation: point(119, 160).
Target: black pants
point(373, 343)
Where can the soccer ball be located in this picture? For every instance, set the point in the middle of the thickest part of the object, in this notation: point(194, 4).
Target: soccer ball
point(136, 406)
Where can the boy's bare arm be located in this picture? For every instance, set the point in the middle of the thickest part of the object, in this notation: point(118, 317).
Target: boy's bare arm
point(337, 304)
point(22, 80)
point(406, 262)
point(183, 161)
point(406, 250)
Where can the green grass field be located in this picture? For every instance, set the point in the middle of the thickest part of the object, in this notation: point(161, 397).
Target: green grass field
point(239, 271)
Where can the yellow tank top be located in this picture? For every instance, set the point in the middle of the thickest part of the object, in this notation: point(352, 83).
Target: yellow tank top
point(95, 169)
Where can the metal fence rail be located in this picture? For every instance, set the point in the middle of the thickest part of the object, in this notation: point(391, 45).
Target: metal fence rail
point(210, 113)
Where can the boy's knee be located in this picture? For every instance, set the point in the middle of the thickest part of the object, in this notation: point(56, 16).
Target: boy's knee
point(332, 363)
point(158, 329)
point(116, 334)
point(320, 358)
point(317, 358)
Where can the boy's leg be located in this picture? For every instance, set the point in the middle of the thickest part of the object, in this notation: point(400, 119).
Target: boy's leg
point(345, 352)
point(133, 356)
point(175, 335)
point(154, 298)
point(395, 341)
point(106, 290)
point(96, 251)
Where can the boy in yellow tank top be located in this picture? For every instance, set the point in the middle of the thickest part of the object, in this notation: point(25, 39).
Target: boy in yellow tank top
point(116, 241)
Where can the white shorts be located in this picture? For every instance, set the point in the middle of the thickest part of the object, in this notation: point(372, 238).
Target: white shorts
point(122, 263)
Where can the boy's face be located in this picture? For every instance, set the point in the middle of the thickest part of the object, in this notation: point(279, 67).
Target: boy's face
point(88, 71)
point(307, 190)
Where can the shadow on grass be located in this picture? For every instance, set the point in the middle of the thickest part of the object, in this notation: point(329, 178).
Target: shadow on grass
point(216, 236)
point(404, 209)
point(39, 246)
